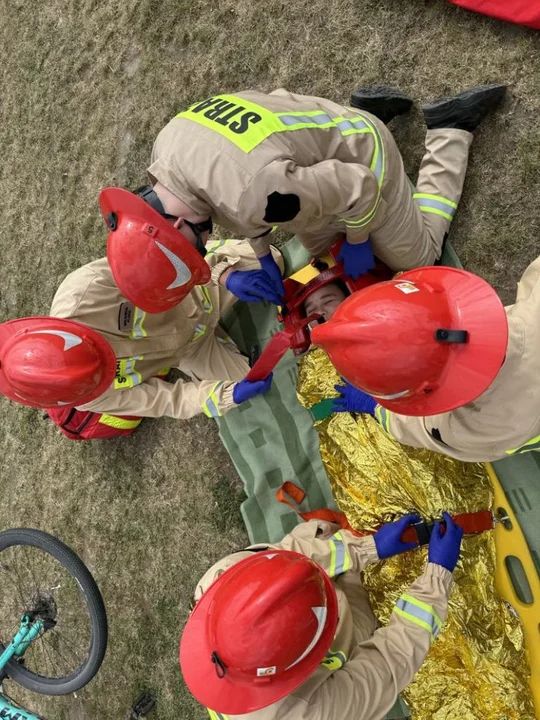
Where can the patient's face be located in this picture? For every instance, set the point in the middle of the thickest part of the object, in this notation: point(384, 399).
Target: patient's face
point(325, 301)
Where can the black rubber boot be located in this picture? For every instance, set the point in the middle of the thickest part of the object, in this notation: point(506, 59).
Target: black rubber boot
point(382, 101)
point(464, 111)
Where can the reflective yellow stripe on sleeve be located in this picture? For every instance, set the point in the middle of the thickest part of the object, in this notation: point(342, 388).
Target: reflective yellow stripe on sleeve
point(199, 331)
point(436, 204)
point(217, 716)
point(211, 406)
point(530, 446)
point(334, 660)
point(213, 247)
point(119, 422)
point(205, 298)
point(383, 416)
point(419, 613)
point(340, 560)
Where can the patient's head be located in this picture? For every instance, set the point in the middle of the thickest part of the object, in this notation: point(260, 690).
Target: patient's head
point(325, 300)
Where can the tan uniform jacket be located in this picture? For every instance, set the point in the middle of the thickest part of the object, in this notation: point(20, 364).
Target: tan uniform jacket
point(146, 344)
point(253, 171)
point(366, 667)
point(506, 418)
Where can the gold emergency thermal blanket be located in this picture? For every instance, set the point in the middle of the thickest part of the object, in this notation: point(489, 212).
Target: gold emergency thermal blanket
point(477, 668)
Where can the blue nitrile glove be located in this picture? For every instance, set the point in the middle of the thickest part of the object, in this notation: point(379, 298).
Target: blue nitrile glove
point(444, 549)
point(353, 400)
point(388, 539)
point(357, 259)
point(271, 268)
point(245, 390)
point(252, 286)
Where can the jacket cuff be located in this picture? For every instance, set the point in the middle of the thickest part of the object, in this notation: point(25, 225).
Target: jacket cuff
point(261, 245)
point(441, 574)
point(370, 550)
point(226, 401)
point(219, 269)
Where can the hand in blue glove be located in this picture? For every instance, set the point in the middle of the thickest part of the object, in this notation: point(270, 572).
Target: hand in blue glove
point(353, 400)
point(271, 268)
point(245, 390)
point(252, 286)
point(444, 549)
point(357, 259)
point(388, 539)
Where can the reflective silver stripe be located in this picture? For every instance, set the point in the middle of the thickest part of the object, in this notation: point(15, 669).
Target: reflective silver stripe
point(352, 125)
point(423, 617)
point(210, 407)
point(291, 120)
point(138, 330)
point(130, 369)
point(339, 560)
point(437, 204)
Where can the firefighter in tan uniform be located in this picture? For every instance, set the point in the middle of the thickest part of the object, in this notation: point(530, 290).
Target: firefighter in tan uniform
point(165, 316)
point(460, 371)
point(255, 161)
point(286, 631)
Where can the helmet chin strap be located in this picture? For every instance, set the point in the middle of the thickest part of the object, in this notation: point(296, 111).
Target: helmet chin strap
point(150, 196)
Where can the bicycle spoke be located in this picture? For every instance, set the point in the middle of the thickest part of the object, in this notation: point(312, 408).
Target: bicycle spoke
point(59, 654)
point(69, 646)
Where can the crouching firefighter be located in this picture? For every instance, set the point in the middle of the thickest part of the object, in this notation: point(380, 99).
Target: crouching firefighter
point(440, 363)
point(148, 308)
point(286, 631)
point(254, 162)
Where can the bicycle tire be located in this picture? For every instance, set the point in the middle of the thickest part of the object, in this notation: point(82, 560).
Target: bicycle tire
point(94, 605)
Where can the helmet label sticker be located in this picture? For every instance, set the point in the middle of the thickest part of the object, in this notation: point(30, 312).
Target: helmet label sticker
point(407, 287)
point(264, 672)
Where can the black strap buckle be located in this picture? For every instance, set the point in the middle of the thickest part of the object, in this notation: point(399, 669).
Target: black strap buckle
point(423, 531)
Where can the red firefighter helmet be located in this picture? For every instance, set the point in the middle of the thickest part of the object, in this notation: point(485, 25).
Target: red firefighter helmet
point(47, 361)
point(153, 264)
point(425, 343)
point(258, 632)
point(329, 271)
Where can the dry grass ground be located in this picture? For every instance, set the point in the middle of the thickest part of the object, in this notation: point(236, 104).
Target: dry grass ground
point(85, 87)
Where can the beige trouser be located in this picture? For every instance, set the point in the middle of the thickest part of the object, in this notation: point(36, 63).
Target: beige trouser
point(214, 356)
point(414, 228)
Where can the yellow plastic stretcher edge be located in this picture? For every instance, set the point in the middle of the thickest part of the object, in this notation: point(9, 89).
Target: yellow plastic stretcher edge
point(510, 542)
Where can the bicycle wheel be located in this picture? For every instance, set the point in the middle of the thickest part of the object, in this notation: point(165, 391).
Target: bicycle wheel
point(41, 576)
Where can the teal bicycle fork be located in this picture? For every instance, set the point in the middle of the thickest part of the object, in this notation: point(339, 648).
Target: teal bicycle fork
point(28, 631)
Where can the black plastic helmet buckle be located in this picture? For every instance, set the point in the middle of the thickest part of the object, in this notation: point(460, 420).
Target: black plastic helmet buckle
point(112, 221)
point(219, 665)
point(457, 337)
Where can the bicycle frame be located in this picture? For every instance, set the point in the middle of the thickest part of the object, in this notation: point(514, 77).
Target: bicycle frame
point(10, 712)
point(28, 631)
